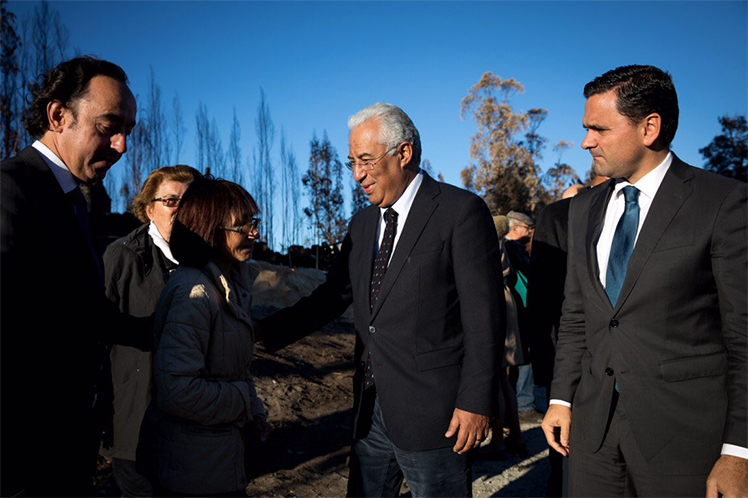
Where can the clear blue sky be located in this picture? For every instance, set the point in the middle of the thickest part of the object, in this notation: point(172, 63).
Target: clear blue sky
point(320, 62)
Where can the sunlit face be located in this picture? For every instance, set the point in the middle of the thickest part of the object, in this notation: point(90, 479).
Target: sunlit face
point(521, 233)
point(384, 184)
point(93, 136)
point(238, 247)
point(159, 213)
point(615, 143)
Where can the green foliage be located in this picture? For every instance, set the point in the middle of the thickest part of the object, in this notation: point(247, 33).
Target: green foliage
point(727, 154)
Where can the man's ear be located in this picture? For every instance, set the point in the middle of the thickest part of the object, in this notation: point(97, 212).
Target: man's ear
point(651, 126)
point(405, 151)
point(57, 115)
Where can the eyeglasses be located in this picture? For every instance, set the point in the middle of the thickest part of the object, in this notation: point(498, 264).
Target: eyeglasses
point(368, 164)
point(246, 229)
point(170, 202)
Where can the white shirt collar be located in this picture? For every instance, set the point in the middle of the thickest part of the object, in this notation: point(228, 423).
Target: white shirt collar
point(649, 183)
point(63, 175)
point(158, 239)
point(403, 204)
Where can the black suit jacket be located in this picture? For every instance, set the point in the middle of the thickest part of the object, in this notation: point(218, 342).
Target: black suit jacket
point(50, 334)
point(55, 324)
point(676, 340)
point(436, 333)
point(545, 288)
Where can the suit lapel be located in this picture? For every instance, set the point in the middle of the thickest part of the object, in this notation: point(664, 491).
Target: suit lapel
point(418, 217)
point(594, 226)
point(368, 238)
point(671, 195)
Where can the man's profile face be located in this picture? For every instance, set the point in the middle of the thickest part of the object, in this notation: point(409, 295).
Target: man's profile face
point(521, 233)
point(384, 184)
point(614, 142)
point(93, 134)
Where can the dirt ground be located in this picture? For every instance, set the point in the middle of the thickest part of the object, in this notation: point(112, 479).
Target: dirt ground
point(307, 390)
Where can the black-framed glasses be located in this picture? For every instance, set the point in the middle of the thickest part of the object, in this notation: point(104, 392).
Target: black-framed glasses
point(246, 229)
point(368, 164)
point(170, 202)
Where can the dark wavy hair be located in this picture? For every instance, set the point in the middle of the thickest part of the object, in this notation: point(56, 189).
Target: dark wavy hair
point(179, 173)
point(208, 203)
point(66, 83)
point(641, 90)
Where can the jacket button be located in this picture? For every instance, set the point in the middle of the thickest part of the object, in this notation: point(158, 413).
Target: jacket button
point(372, 329)
point(608, 371)
point(614, 323)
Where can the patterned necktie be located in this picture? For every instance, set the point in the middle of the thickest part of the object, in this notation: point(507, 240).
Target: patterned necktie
point(623, 244)
point(383, 258)
point(380, 267)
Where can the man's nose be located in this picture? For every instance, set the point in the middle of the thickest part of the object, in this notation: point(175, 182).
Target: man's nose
point(359, 173)
point(119, 143)
point(588, 142)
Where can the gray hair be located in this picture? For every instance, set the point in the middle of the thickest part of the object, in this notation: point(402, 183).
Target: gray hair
point(395, 127)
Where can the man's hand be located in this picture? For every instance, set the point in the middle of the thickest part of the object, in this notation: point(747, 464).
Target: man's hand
point(471, 430)
point(729, 477)
point(557, 427)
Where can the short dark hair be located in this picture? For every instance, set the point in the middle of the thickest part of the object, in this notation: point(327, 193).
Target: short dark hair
point(641, 90)
point(179, 173)
point(66, 83)
point(208, 203)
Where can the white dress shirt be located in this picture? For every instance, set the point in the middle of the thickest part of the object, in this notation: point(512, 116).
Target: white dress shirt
point(647, 186)
point(63, 175)
point(402, 208)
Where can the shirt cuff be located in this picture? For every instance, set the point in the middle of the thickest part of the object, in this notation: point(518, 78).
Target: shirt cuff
point(736, 451)
point(560, 402)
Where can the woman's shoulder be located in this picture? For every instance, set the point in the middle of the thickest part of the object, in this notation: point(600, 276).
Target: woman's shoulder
point(132, 245)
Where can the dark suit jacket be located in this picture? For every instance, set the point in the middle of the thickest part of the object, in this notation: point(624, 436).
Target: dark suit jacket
point(545, 288)
point(51, 352)
point(436, 333)
point(676, 341)
point(54, 326)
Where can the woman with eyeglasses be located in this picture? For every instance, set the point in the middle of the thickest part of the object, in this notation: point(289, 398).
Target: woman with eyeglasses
point(136, 268)
point(192, 441)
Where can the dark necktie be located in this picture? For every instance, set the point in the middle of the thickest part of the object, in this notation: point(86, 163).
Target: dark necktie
point(80, 207)
point(623, 244)
point(380, 268)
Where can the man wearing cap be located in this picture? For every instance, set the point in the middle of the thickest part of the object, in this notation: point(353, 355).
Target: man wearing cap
point(516, 241)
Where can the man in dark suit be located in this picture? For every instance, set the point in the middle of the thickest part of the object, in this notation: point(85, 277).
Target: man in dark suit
point(54, 313)
point(651, 353)
point(545, 295)
point(429, 321)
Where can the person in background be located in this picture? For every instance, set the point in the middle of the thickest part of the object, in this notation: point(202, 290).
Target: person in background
point(499, 448)
point(56, 322)
point(136, 268)
point(516, 242)
point(192, 440)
